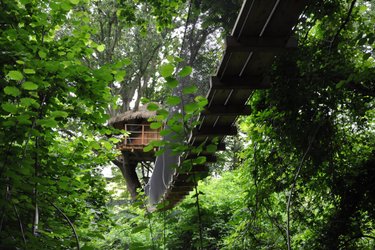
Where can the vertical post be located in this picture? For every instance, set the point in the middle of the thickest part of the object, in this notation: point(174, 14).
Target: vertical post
point(143, 133)
point(126, 139)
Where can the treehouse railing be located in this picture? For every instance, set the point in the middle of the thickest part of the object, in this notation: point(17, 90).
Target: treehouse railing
point(139, 136)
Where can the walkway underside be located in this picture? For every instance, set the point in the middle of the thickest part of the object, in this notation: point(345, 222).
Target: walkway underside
point(262, 31)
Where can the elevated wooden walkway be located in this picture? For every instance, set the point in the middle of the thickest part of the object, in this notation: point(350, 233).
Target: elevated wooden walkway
point(263, 29)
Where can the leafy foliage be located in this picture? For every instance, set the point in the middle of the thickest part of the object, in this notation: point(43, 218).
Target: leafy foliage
point(301, 170)
point(52, 126)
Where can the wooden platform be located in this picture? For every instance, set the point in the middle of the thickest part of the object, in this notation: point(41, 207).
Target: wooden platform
point(262, 31)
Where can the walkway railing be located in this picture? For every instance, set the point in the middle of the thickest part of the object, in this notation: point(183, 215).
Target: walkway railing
point(262, 31)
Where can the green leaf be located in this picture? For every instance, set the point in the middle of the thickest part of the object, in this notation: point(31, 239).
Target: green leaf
point(101, 47)
point(163, 204)
point(107, 145)
point(148, 148)
point(163, 113)
point(75, 2)
point(15, 75)
point(170, 58)
point(152, 107)
point(190, 90)
point(178, 59)
point(211, 148)
point(65, 6)
point(171, 82)
point(95, 145)
point(59, 114)
point(9, 123)
point(114, 140)
point(26, 102)
point(157, 143)
point(185, 71)
point(166, 70)
point(201, 101)
point(24, 119)
point(9, 107)
point(47, 122)
point(155, 125)
point(138, 228)
point(120, 76)
point(340, 84)
point(173, 100)
point(366, 56)
point(103, 73)
point(165, 132)
point(145, 100)
point(11, 90)
point(29, 86)
point(29, 71)
point(126, 61)
point(200, 160)
point(190, 108)
point(42, 54)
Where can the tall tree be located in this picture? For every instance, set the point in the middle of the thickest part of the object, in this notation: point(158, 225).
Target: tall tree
point(312, 136)
point(52, 125)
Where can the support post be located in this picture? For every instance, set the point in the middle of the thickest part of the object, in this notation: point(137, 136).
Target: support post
point(143, 134)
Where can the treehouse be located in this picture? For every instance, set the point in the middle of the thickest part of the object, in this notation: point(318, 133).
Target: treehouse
point(137, 125)
point(134, 163)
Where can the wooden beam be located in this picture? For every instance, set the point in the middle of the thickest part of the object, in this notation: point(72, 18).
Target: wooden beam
point(222, 110)
point(178, 189)
point(184, 177)
point(178, 193)
point(269, 44)
point(239, 83)
point(183, 184)
point(217, 131)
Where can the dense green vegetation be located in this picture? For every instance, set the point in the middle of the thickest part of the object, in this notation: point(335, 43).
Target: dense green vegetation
point(300, 174)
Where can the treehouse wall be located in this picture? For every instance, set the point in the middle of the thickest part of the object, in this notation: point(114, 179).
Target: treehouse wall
point(140, 134)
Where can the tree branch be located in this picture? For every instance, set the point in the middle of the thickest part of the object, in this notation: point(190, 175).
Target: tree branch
point(69, 222)
point(358, 237)
point(293, 187)
point(344, 23)
point(20, 223)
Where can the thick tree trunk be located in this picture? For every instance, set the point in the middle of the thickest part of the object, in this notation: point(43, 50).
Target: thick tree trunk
point(128, 171)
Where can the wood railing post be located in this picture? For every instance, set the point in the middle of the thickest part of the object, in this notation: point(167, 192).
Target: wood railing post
point(126, 139)
point(143, 134)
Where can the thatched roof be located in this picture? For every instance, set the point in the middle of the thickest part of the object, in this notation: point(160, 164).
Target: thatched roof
point(141, 113)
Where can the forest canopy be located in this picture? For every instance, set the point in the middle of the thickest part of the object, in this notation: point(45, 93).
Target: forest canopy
point(299, 174)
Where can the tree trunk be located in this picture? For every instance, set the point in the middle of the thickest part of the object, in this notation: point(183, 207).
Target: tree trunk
point(128, 171)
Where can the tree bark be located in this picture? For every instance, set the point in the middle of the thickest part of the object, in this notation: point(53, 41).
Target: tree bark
point(128, 171)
